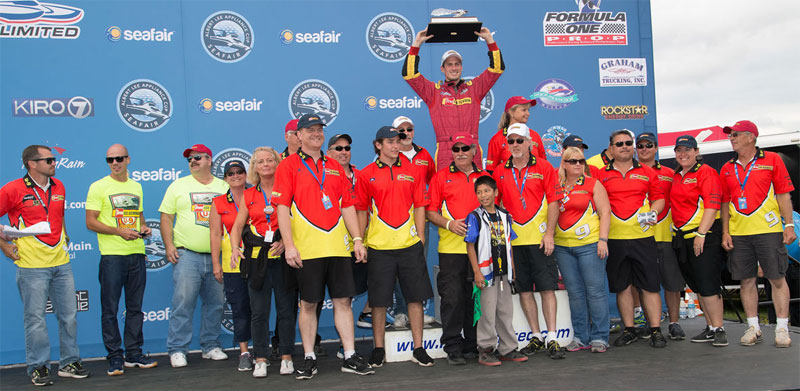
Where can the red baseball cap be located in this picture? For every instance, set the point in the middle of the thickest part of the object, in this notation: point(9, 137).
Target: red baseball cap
point(197, 148)
point(519, 100)
point(462, 137)
point(742, 126)
point(291, 126)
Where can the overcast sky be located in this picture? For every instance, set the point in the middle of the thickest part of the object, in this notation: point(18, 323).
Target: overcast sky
point(720, 62)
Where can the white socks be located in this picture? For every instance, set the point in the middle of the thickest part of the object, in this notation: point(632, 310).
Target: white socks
point(349, 353)
point(782, 323)
point(753, 322)
point(311, 355)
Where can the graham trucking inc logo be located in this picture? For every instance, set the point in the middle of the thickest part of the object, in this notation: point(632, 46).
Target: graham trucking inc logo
point(207, 105)
point(587, 27)
point(115, 33)
point(389, 37)
point(144, 105)
point(371, 103)
point(154, 249)
point(552, 139)
point(623, 111)
point(227, 36)
point(226, 155)
point(76, 107)
point(622, 72)
point(314, 97)
point(288, 36)
point(554, 94)
point(34, 19)
point(487, 103)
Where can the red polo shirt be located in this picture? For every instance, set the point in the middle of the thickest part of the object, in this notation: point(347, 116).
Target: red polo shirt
point(663, 232)
point(630, 194)
point(498, 151)
point(422, 161)
point(452, 193)
point(692, 193)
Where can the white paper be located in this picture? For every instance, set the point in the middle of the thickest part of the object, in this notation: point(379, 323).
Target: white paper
point(41, 228)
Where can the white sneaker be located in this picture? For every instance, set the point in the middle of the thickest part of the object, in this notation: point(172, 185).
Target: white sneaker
point(427, 319)
point(260, 370)
point(287, 367)
point(401, 321)
point(215, 354)
point(177, 360)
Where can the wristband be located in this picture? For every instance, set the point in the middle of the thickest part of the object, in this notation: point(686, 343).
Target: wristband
point(700, 235)
point(604, 240)
point(447, 226)
point(357, 238)
point(789, 225)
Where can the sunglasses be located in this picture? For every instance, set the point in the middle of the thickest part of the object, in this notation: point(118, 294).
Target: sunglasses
point(643, 146)
point(736, 134)
point(119, 159)
point(232, 173)
point(403, 130)
point(516, 141)
point(465, 148)
point(196, 158)
point(48, 160)
point(341, 148)
point(575, 161)
point(619, 144)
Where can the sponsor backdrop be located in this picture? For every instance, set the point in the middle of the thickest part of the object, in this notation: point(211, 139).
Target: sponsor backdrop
point(161, 76)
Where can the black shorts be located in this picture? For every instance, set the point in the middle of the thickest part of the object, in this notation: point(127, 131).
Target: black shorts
point(671, 275)
point(359, 275)
point(334, 272)
point(751, 251)
point(406, 265)
point(633, 262)
point(702, 273)
point(532, 267)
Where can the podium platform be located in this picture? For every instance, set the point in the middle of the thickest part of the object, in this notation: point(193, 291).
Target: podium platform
point(400, 346)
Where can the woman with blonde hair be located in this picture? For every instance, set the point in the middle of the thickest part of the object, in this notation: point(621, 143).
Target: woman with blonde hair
point(516, 111)
point(581, 246)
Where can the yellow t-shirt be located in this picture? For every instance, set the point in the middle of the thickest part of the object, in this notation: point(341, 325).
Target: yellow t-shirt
point(120, 205)
point(190, 202)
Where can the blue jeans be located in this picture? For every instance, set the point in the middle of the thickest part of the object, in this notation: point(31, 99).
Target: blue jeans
point(584, 275)
point(193, 277)
point(36, 285)
point(118, 272)
point(239, 300)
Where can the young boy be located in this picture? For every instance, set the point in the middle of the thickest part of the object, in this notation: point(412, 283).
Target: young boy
point(488, 239)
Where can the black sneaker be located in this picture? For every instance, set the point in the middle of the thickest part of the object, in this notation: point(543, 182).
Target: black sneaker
point(307, 370)
point(470, 354)
point(377, 358)
point(74, 370)
point(705, 336)
point(41, 376)
point(643, 332)
point(676, 332)
point(720, 338)
point(356, 364)
point(534, 346)
point(275, 353)
point(628, 337)
point(556, 351)
point(657, 339)
point(422, 358)
point(456, 358)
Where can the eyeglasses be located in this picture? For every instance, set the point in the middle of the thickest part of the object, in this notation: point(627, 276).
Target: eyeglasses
point(619, 144)
point(516, 141)
point(232, 173)
point(575, 161)
point(119, 159)
point(403, 130)
point(736, 134)
point(196, 158)
point(341, 148)
point(48, 160)
point(465, 148)
point(643, 146)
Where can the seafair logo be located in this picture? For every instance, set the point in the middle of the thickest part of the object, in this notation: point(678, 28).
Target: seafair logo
point(623, 111)
point(207, 105)
point(76, 107)
point(161, 174)
point(288, 36)
point(552, 139)
point(389, 37)
point(371, 103)
point(227, 36)
point(144, 105)
point(115, 33)
point(226, 155)
point(622, 72)
point(34, 19)
point(227, 317)
point(587, 27)
point(155, 251)
point(487, 103)
point(314, 97)
point(554, 94)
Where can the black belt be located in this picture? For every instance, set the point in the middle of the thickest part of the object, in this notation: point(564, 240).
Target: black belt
point(184, 248)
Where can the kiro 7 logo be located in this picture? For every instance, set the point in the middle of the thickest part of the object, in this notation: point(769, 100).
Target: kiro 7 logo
point(32, 19)
point(75, 107)
point(588, 26)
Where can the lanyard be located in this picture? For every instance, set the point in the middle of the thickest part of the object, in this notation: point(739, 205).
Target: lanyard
point(267, 204)
point(321, 182)
point(524, 179)
point(49, 197)
point(747, 176)
point(234, 201)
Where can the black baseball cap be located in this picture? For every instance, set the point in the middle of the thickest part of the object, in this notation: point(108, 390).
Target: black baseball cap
point(647, 136)
point(388, 132)
point(574, 141)
point(233, 163)
point(686, 141)
point(336, 138)
point(309, 119)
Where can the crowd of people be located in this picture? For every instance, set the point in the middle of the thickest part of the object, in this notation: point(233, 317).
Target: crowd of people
point(304, 221)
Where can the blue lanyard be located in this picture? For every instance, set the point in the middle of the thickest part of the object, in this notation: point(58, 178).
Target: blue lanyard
point(524, 179)
point(321, 182)
point(267, 203)
point(234, 201)
point(747, 176)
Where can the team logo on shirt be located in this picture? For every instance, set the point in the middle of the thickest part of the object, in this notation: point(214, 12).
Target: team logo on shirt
point(639, 177)
point(144, 105)
point(201, 207)
point(226, 155)
point(154, 249)
point(401, 177)
point(554, 94)
point(125, 209)
point(227, 36)
point(487, 104)
point(689, 180)
point(314, 97)
point(389, 37)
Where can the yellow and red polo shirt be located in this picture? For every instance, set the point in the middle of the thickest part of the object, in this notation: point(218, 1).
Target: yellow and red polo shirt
point(317, 232)
point(578, 223)
point(692, 194)
point(27, 204)
point(390, 193)
point(227, 210)
point(498, 151)
point(767, 178)
point(539, 187)
point(422, 161)
point(598, 162)
point(663, 230)
point(630, 194)
point(452, 193)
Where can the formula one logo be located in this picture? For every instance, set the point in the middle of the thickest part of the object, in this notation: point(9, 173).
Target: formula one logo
point(322, 36)
point(144, 105)
point(75, 107)
point(622, 72)
point(487, 103)
point(227, 36)
point(552, 139)
point(154, 249)
point(314, 97)
point(554, 94)
point(371, 103)
point(588, 26)
point(114, 34)
point(389, 37)
point(226, 155)
point(33, 19)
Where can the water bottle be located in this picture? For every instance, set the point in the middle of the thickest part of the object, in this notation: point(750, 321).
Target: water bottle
point(691, 310)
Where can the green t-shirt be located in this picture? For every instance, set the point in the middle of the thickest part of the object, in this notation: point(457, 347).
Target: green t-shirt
point(120, 205)
point(190, 202)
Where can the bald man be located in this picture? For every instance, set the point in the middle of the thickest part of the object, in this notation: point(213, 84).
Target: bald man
point(114, 211)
